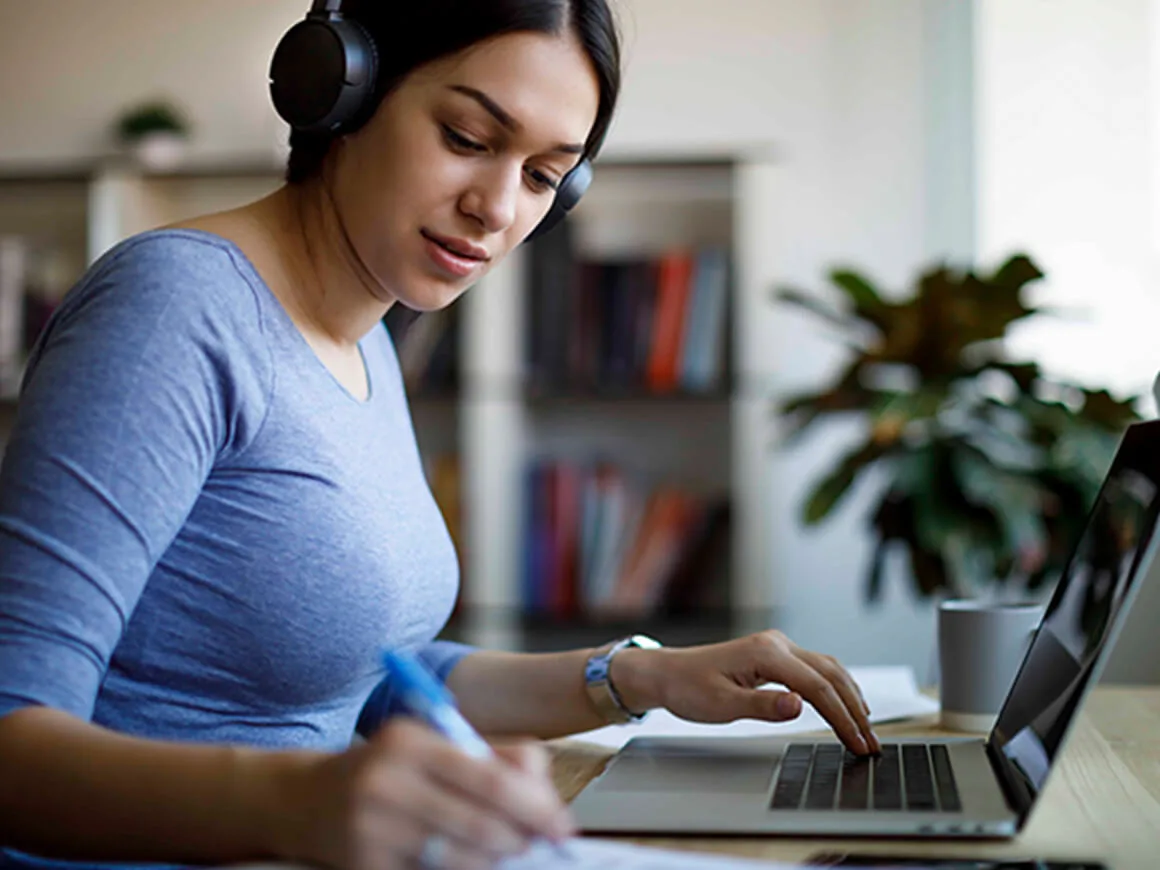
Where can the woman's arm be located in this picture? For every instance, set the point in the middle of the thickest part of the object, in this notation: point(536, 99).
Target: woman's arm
point(71, 789)
point(543, 695)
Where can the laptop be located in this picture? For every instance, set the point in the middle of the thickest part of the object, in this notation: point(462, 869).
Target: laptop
point(960, 787)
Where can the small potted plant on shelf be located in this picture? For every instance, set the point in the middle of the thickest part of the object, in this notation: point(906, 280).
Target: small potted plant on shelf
point(990, 466)
point(155, 132)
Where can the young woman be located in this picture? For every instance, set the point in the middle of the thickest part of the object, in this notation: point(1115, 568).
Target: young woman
point(213, 515)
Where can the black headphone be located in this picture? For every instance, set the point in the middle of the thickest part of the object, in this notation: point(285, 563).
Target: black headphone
point(322, 80)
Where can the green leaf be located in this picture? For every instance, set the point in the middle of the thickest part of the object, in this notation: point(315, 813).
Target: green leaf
point(1099, 406)
point(897, 410)
point(893, 520)
point(815, 306)
point(985, 310)
point(914, 470)
point(1015, 500)
point(868, 303)
point(801, 410)
point(1017, 272)
point(874, 575)
point(152, 117)
point(930, 571)
point(826, 495)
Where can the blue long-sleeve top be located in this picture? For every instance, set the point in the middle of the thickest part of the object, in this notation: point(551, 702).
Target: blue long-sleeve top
point(203, 535)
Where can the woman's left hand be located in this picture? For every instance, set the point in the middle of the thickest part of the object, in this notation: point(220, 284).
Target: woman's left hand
point(719, 683)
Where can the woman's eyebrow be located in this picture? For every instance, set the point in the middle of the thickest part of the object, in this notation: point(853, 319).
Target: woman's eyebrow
point(505, 119)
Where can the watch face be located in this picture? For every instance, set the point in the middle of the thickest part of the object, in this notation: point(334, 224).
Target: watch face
point(643, 641)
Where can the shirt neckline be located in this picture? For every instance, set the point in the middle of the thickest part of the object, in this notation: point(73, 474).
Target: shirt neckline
point(239, 256)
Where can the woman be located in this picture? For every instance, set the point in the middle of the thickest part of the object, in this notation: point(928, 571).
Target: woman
point(213, 514)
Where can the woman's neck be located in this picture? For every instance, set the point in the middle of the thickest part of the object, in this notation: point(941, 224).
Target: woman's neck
point(324, 284)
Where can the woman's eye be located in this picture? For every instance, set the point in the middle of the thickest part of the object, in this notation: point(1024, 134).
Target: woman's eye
point(541, 181)
point(458, 140)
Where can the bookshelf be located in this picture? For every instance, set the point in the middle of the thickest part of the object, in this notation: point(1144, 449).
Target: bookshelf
point(522, 404)
point(44, 222)
point(483, 411)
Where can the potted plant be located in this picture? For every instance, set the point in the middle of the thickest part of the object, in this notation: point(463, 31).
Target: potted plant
point(990, 465)
point(155, 132)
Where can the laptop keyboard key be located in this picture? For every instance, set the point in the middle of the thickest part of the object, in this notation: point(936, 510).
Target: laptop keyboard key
point(791, 780)
point(823, 784)
point(918, 779)
point(887, 779)
point(855, 790)
point(787, 795)
point(944, 777)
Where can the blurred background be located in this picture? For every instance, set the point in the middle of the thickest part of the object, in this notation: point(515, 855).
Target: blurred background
point(605, 418)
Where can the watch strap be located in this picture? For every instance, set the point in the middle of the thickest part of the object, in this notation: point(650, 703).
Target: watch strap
point(598, 683)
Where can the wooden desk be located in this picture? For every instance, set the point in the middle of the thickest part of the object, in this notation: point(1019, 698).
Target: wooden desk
point(1102, 802)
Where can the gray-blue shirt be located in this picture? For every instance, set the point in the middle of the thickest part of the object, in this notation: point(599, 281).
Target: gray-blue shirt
point(203, 535)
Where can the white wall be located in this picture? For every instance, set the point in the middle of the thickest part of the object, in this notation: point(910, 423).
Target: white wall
point(68, 67)
point(839, 88)
point(1067, 170)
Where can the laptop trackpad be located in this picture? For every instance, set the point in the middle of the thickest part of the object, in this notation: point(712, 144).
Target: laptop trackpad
point(711, 773)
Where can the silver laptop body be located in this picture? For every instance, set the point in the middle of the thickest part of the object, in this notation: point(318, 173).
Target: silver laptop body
point(972, 787)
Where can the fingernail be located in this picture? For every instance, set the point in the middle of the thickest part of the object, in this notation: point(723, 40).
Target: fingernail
point(787, 705)
point(860, 743)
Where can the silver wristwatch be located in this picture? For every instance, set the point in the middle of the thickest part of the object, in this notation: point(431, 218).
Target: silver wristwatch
point(600, 689)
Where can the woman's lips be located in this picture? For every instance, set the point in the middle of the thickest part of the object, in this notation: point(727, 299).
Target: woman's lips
point(450, 261)
point(462, 247)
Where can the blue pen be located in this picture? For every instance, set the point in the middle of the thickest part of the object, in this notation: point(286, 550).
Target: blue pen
point(423, 696)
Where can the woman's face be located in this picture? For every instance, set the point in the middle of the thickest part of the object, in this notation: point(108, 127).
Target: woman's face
point(463, 155)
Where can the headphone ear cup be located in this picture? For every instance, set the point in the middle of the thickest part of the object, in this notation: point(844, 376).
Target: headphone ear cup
point(323, 74)
point(370, 53)
point(572, 187)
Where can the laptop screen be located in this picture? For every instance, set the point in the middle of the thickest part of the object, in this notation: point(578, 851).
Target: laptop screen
point(1111, 554)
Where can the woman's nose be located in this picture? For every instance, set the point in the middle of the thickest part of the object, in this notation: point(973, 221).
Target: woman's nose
point(492, 199)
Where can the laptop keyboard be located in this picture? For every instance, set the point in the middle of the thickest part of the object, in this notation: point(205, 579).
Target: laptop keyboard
point(826, 776)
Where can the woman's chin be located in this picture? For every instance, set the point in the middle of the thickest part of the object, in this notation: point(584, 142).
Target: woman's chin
point(432, 296)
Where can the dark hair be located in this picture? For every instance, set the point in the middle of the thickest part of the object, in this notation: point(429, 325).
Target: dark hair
point(409, 35)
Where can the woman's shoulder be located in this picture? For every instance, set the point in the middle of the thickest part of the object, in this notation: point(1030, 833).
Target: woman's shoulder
point(176, 243)
point(176, 285)
point(175, 266)
point(159, 309)
point(165, 291)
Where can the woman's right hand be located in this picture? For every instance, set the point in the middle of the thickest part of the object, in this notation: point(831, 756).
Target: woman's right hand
point(374, 806)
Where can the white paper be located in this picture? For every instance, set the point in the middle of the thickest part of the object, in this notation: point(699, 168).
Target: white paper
point(890, 691)
point(588, 854)
point(585, 853)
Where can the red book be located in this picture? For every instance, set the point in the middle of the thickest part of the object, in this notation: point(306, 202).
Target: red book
point(654, 554)
point(674, 279)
